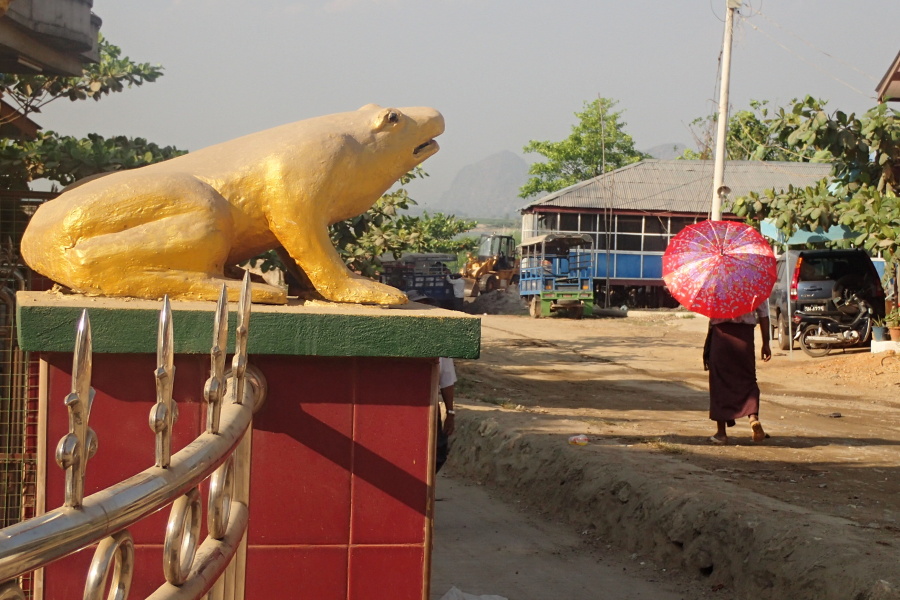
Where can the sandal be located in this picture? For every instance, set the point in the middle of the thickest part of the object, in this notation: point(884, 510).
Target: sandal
point(758, 433)
point(717, 441)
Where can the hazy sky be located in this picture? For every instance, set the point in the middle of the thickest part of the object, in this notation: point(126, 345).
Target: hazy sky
point(502, 72)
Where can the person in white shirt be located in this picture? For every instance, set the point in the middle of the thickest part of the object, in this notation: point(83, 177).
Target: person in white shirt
point(459, 290)
point(445, 428)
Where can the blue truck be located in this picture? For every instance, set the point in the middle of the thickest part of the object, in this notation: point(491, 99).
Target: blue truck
point(556, 274)
point(423, 276)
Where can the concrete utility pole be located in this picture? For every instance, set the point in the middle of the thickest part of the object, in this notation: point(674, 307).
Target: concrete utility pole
point(719, 190)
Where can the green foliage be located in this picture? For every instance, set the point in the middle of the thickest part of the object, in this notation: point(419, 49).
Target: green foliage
point(751, 136)
point(862, 190)
point(383, 229)
point(892, 319)
point(597, 139)
point(441, 233)
point(29, 93)
point(380, 230)
point(65, 159)
point(500, 222)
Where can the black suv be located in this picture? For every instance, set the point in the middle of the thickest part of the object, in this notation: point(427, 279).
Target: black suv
point(810, 278)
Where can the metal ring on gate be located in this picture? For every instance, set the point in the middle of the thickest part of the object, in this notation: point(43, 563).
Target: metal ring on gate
point(221, 490)
point(117, 549)
point(182, 532)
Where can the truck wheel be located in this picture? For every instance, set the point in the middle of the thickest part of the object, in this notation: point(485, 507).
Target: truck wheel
point(784, 338)
point(491, 284)
point(576, 312)
point(534, 307)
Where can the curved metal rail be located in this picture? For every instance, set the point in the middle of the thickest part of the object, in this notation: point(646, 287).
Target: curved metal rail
point(190, 569)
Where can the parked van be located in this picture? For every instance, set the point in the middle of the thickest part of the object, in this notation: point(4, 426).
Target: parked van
point(812, 277)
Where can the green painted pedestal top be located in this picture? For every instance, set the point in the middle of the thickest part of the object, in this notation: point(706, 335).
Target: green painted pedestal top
point(47, 323)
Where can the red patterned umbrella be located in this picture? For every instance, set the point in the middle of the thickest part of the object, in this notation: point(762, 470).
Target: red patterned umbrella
point(721, 269)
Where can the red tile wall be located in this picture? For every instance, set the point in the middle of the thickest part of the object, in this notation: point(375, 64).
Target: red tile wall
point(340, 490)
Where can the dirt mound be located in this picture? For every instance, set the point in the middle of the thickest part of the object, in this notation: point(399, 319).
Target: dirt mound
point(498, 302)
point(671, 512)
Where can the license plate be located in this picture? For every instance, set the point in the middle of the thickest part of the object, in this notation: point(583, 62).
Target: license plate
point(814, 308)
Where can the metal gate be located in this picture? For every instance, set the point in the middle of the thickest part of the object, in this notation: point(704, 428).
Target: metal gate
point(18, 374)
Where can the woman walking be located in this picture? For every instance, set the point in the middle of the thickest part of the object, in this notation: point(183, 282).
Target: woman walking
point(730, 357)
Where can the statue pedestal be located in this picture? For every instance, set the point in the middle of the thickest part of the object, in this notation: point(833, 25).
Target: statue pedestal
point(342, 456)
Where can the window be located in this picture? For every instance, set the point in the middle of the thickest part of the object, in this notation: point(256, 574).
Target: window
point(630, 224)
point(568, 221)
point(655, 224)
point(548, 222)
point(655, 243)
point(606, 222)
point(631, 243)
point(588, 222)
point(679, 223)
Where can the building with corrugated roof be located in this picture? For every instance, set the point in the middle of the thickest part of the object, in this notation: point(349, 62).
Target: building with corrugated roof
point(633, 212)
point(888, 89)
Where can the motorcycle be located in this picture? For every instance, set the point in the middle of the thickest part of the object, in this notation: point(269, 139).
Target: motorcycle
point(820, 332)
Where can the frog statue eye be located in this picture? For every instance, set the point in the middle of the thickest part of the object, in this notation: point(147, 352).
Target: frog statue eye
point(387, 118)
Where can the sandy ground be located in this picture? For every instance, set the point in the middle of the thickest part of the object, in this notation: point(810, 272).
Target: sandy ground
point(812, 512)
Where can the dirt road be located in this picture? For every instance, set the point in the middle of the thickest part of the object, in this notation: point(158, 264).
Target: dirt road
point(484, 547)
point(786, 517)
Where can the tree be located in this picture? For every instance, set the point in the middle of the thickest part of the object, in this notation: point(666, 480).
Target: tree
point(30, 93)
point(749, 137)
point(441, 233)
point(597, 144)
point(383, 229)
point(862, 190)
point(64, 159)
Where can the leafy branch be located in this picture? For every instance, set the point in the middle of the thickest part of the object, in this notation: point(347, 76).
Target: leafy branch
point(861, 192)
point(30, 93)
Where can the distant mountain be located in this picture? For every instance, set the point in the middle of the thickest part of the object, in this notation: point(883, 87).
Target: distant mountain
point(487, 188)
point(666, 151)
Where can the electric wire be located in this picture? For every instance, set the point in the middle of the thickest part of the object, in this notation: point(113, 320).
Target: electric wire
point(804, 59)
point(813, 46)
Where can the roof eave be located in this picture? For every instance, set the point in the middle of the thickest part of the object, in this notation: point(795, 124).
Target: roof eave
point(889, 87)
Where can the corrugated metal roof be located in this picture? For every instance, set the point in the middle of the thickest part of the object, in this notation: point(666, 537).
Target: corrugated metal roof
point(679, 185)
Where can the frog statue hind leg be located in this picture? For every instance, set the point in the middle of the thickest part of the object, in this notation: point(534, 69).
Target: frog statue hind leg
point(132, 240)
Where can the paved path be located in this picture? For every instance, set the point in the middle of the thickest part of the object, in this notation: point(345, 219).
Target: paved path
point(486, 547)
